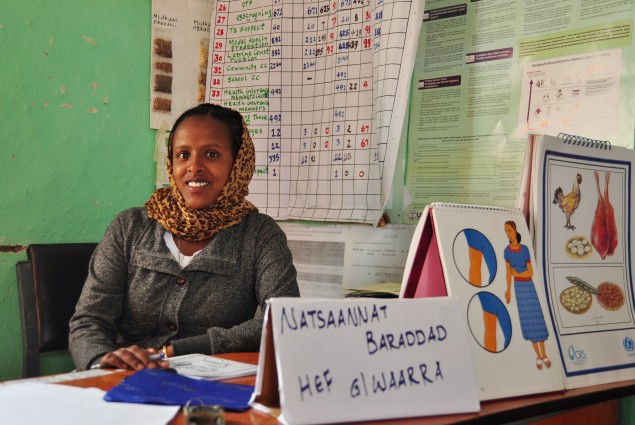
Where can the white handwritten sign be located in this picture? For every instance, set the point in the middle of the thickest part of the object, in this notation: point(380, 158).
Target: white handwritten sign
point(325, 361)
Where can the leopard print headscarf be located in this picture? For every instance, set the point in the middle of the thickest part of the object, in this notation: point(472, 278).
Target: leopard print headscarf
point(168, 207)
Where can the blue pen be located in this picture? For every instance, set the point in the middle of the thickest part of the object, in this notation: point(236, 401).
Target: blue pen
point(157, 356)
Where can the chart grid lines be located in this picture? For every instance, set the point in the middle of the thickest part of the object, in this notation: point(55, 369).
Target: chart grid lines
point(316, 82)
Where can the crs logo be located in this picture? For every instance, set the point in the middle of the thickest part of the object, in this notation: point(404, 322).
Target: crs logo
point(628, 343)
point(575, 354)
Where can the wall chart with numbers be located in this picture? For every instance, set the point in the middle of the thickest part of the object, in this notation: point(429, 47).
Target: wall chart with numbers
point(323, 87)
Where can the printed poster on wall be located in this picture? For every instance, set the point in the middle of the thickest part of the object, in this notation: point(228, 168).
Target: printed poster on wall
point(488, 73)
point(180, 37)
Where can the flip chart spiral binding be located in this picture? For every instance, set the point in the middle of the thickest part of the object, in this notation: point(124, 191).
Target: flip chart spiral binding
point(474, 207)
point(572, 139)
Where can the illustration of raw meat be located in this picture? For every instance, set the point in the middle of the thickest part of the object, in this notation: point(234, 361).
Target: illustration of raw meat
point(611, 227)
point(603, 229)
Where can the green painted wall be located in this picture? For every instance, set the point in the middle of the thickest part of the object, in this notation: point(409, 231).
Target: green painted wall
point(75, 142)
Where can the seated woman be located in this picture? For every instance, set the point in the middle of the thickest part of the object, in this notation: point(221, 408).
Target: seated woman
point(187, 272)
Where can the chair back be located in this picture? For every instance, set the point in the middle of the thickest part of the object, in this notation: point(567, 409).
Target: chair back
point(49, 285)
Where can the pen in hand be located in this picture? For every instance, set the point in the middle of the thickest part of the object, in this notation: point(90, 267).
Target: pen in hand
point(153, 357)
point(157, 356)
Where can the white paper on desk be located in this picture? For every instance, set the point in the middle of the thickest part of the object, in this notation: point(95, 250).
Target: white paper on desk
point(52, 404)
point(62, 377)
point(210, 367)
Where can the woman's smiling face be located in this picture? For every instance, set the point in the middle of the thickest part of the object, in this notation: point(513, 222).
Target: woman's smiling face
point(202, 159)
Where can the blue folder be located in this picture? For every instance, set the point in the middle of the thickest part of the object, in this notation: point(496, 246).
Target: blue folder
point(155, 386)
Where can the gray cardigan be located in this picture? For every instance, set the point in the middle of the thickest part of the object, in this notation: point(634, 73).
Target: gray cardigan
point(136, 292)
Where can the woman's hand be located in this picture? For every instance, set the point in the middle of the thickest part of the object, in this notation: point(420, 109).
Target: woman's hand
point(508, 296)
point(133, 357)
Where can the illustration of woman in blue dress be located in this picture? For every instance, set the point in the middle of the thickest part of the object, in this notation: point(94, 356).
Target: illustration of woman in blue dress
point(532, 320)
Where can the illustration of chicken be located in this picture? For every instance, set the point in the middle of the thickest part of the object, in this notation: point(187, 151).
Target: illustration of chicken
point(604, 228)
point(569, 203)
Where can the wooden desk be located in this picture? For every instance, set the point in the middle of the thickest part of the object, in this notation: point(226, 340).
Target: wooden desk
point(596, 404)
